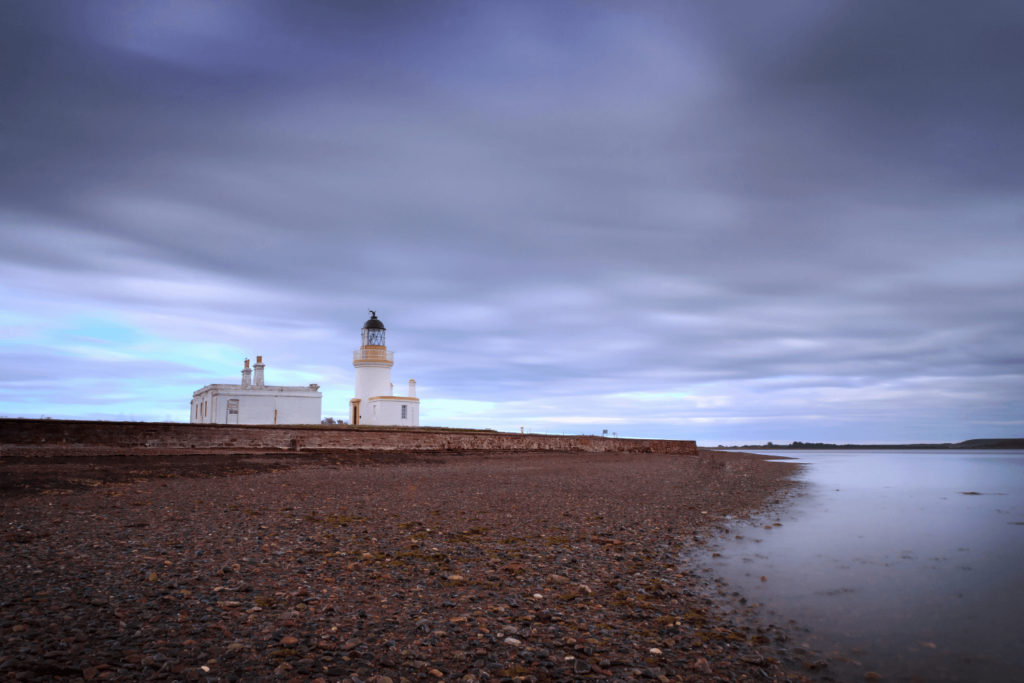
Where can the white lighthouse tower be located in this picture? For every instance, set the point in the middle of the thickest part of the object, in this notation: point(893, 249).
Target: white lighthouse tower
point(375, 402)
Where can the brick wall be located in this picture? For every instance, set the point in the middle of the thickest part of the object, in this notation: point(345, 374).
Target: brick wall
point(67, 437)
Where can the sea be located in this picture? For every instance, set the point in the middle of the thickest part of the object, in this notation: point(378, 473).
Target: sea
point(904, 564)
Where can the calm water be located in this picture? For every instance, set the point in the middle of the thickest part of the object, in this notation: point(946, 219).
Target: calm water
point(889, 565)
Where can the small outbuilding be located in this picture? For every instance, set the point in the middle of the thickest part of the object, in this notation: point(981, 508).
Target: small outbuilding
point(254, 403)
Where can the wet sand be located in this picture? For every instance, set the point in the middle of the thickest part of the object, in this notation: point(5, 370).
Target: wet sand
point(297, 567)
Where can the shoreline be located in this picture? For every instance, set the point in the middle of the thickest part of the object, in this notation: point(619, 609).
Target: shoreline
point(354, 567)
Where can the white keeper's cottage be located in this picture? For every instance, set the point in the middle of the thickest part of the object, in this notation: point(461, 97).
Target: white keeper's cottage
point(375, 402)
point(254, 403)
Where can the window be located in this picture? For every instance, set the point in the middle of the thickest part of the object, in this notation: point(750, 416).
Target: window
point(233, 406)
point(405, 412)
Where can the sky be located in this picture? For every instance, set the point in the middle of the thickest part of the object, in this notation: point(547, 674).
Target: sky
point(731, 222)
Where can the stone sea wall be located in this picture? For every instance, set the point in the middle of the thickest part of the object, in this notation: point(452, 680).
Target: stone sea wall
point(70, 437)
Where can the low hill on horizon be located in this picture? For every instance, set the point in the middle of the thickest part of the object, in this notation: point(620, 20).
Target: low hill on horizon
point(970, 444)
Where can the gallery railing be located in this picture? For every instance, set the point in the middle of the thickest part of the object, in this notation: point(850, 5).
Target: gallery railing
point(374, 354)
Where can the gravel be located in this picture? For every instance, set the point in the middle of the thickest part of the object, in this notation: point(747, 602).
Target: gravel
point(500, 567)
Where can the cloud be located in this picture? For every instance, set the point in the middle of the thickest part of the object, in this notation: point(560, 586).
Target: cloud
point(764, 218)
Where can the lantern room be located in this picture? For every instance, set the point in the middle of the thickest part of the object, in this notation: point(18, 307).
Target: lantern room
point(373, 331)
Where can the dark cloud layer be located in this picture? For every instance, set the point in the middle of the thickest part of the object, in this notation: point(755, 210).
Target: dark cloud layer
point(731, 221)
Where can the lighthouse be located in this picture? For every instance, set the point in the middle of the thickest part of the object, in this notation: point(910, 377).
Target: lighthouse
point(375, 402)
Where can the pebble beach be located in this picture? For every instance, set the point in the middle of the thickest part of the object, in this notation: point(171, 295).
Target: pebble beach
point(500, 567)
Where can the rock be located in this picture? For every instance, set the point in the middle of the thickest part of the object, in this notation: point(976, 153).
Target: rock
point(152, 577)
point(374, 610)
point(89, 674)
point(702, 665)
point(752, 659)
point(655, 651)
point(872, 676)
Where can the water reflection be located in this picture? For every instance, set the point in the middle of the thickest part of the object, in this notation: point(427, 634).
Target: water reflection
point(905, 563)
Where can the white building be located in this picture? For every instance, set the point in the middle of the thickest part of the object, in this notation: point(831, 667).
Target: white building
point(375, 402)
point(254, 403)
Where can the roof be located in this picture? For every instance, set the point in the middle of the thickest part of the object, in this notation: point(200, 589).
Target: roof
point(373, 323)
point(256, 391)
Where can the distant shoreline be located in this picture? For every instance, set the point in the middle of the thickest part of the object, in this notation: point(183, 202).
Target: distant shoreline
point(971, 445)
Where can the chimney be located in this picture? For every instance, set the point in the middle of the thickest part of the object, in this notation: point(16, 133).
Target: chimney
point(259, 372)
point(246, 375)
point(412, 388)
